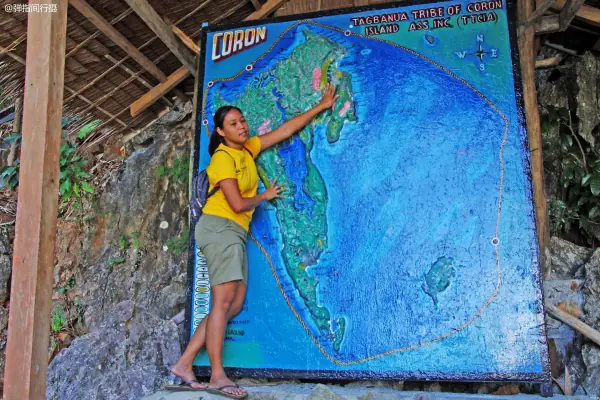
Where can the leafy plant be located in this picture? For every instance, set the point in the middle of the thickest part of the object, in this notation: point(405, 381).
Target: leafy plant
point(9, 176)
point(178, 172)
point(578, 205)
point(135, 236)
point(123, 241)
point(70, 284)
point(87, 129)
point(58, 320)
point(114, 261)
point(179, 244)
point(72, 174)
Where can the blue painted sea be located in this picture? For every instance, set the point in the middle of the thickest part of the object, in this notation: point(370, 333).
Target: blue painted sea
point(430, 169)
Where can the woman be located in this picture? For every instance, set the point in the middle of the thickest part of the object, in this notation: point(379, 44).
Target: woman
point(221, 232)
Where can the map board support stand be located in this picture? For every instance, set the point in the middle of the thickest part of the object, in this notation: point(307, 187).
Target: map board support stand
point(33, 253)
point(534, 131)
point(527, 55)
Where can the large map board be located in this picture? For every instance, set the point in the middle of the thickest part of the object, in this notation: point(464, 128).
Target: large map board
point(406, 247)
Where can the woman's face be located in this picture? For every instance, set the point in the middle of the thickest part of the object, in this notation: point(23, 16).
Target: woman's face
point(235, 128)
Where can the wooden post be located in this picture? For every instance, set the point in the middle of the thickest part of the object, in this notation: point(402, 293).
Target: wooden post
point(534, 131)
point(33, 254)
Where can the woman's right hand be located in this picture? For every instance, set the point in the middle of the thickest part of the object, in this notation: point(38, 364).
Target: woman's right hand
point(274, 191)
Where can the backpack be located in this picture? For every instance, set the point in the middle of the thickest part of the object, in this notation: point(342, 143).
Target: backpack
point(200, 193)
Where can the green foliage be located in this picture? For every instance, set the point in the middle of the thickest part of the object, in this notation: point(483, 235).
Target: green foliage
point(115, 261)
point(72, 168)
point(9, 176)
point(13, 138)
point(178, 172)
point(135, 237)
point(578, 205)
point(125, 241)
point(58, 319)
point(179, 244)
point(70, 284)
point(88, 128)
point(72, 174)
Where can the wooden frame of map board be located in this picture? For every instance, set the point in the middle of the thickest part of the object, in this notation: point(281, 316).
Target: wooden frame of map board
point(541, 375)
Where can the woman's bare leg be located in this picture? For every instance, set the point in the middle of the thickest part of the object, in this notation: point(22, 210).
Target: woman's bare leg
point(183, 366)
point(223, 296)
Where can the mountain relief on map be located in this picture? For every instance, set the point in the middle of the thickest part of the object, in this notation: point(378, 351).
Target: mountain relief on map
point(394, 238)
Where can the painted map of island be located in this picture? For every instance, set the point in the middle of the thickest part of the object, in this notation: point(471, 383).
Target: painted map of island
point(390, 238)
point(290, 88)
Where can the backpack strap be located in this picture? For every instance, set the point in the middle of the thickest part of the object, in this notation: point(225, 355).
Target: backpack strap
point(245, 148)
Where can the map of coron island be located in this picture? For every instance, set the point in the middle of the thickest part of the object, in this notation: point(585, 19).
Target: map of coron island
point(407, 230)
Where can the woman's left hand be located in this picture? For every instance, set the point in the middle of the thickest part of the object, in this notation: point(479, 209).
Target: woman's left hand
point(329, 97)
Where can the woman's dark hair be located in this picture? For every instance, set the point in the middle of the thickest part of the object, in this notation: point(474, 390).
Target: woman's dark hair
point(219, 119)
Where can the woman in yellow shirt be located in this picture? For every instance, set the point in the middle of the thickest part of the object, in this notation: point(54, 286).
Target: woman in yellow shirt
point(221, 233)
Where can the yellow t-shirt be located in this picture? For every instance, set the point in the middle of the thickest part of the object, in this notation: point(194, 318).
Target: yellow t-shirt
point(227, 163)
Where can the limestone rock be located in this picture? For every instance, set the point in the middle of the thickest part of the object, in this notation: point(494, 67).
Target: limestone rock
point(591, 355)
point(591, 291)
point(5, 244)
point(322, 392)
point(135, 202)
point(126, 358)
point(591, 384)
point(587, 98)
point(5, 271)
point(566, 259)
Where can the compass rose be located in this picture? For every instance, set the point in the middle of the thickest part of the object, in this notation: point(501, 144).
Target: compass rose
point(481, 53)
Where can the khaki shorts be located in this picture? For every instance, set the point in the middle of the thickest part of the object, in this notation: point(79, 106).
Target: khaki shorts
point(223, 243)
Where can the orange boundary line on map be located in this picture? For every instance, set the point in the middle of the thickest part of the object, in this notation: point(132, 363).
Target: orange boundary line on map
point(498, 267)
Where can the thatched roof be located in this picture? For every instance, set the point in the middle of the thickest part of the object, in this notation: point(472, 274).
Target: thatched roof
point(96, 88)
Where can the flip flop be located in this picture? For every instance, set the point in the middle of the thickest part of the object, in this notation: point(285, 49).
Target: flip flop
point(220, 391)
point(186, 386)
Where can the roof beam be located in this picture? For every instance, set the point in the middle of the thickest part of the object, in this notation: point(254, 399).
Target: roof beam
point(97, 33)
point(269, 7)
point(586, 13)
point(539, 11)
point(256, 4)
point(141, 104)
point(145, 11)
point(266, 9)
point(568, 13)
point(70, 90)
point(137, 78)
point(33, 254)
point(188, 41)
point(151, 97)
point(105, 27)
